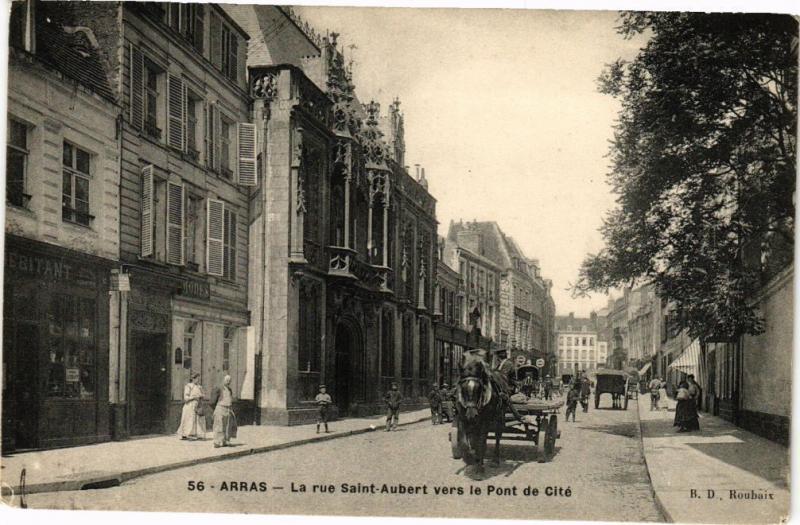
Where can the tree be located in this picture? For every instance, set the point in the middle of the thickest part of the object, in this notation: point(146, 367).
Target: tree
point(703, 164)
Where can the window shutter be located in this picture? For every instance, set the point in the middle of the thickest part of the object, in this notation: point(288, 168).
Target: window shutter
point(215, 233)
point(177, 106)
point(209, 130)
point(147, 211)
point(175, 221)
point(136, 86)
point(246, 144)
point(199, 23)
point(215, 34)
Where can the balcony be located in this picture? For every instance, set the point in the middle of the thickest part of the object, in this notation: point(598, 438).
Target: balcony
point(342, 262)
point(345, 263)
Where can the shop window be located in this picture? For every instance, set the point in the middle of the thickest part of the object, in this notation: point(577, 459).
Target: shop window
point(17, 163)
point(75, 188)
point(72, 350)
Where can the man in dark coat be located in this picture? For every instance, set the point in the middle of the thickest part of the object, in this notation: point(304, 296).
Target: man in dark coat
point(586, 389)
point(435, 401)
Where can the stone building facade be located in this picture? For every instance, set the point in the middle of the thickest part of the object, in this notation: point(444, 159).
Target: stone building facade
point(579, 345)
point(346, 275)
point(61, 235)
point(526, 311)
point(187, 160)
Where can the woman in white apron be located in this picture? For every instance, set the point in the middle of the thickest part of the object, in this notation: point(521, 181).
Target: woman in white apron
point(193, 425)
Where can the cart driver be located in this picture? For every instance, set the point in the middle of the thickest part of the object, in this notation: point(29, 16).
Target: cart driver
point(505, 371)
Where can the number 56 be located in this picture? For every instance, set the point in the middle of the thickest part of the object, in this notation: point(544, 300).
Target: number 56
point(196, 485)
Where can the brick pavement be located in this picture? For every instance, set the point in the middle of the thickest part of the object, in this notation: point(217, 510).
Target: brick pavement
point(112, 463)
point(720, 458)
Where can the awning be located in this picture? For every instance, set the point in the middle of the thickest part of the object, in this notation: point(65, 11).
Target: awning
point(644, 369)
point(689, 360)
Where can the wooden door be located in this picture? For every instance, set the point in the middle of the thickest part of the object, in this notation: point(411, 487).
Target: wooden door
point(150, 383)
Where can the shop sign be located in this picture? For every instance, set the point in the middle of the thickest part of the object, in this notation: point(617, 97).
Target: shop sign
point(540, 363)
point(195, 289)
point(48, 268)
point(73, 375)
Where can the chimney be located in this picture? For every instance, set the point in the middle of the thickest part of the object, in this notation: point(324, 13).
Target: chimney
point(417, 167)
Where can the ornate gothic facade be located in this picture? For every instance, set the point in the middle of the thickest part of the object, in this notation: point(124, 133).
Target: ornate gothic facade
point(347, 273)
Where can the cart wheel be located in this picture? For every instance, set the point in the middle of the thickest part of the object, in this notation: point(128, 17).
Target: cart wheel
point(596, 401)
point(452, 435)
point(625, 406)
point(550, 438)
point(541, 439)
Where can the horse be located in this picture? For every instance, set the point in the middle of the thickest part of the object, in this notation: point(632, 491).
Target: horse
point(479, 408)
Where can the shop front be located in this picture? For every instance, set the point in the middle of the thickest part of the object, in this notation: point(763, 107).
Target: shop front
point(55, 346)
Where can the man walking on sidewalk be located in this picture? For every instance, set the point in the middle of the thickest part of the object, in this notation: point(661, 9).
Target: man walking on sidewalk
point(654, 386)
point(392, 398)
point(435, 401)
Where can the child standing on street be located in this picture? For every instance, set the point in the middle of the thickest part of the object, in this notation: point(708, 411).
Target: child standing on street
point(572, 401)
point(323, 400)
point(392, 399)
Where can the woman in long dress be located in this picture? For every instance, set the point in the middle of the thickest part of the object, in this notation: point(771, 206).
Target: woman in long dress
point(193, 425)
point(663, 398)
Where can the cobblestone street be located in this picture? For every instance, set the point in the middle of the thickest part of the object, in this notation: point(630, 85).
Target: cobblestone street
point(598, 459)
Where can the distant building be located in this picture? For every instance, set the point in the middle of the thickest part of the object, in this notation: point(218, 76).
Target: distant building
point(578, 344)
point(525, 322)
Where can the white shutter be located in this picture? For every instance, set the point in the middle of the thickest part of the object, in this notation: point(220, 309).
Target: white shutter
point(176, 107)
point(175, 220)
point(147, 211)
point(215, 232)
point(136, 88)
point(246, 145)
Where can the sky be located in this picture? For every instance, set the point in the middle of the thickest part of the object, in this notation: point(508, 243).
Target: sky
point(501, 108)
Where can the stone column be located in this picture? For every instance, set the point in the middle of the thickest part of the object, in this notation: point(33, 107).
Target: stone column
point(297, 198)
point(386, 230)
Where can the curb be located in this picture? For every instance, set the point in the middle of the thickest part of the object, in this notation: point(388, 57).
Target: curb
point(659, 504)
point(117, 478)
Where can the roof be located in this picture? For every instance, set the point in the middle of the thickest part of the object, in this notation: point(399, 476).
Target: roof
point(493, 241)
point(74, 55)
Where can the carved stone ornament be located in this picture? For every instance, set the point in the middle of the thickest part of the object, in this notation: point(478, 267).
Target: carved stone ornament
point(264, 87)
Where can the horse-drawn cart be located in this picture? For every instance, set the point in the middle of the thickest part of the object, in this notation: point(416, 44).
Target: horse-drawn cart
point(538, 423)
point(614, 382)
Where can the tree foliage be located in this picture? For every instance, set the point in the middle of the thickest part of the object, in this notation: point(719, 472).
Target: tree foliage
point(703, 163)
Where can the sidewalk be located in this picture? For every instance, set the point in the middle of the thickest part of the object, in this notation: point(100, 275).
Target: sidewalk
point(111, 463)
point(720, 459)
